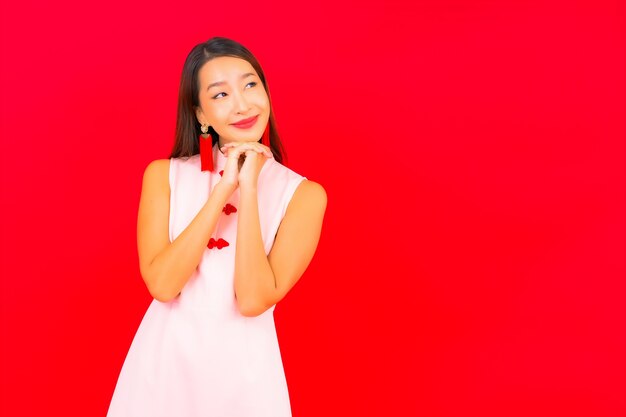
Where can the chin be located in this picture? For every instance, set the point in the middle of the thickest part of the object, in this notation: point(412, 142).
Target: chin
point(252, 136)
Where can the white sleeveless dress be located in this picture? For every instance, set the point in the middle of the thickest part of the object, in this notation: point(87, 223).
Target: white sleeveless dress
point(197, 356)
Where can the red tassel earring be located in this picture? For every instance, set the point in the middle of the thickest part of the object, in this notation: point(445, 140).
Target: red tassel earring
point(206, 149)
point(266, 135)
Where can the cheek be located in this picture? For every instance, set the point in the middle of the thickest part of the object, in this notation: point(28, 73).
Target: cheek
point(261, 98)
point(217, 111)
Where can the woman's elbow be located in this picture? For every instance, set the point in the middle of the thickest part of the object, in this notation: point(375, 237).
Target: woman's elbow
point(251, 309)
point(155, 290)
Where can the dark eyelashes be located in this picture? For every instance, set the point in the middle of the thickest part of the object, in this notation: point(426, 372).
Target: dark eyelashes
point(215, 96)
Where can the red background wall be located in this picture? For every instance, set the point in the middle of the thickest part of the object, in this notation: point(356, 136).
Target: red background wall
point(472, 257)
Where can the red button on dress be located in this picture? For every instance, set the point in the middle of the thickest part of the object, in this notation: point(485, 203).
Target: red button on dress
point(229, 208)
point(219, 243)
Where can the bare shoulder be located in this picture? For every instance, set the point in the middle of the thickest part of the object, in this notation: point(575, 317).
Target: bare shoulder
point(310, 193)
point(156, 175)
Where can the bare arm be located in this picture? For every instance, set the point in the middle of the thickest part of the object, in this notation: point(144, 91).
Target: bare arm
point(261, 281)
point(166, 267)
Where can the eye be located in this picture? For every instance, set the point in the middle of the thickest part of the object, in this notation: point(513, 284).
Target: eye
point(216, 96)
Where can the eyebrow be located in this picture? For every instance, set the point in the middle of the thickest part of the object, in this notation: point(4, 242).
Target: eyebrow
point(247, 74)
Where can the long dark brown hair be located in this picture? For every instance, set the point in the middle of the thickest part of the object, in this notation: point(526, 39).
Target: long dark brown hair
point(187, 125)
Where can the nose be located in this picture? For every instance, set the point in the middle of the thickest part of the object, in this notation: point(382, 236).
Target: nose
point(241, 104)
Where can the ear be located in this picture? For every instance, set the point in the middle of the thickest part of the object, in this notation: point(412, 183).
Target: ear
point(199, 115)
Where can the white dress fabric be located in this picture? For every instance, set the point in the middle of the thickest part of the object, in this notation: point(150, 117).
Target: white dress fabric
point(197, 356)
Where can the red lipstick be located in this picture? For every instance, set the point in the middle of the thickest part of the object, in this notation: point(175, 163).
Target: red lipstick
point(246, 123)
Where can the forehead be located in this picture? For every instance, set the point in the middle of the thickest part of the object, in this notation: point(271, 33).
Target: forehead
point(224, 68)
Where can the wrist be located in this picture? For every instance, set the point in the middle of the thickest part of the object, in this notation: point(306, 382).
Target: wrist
point(224, 190)
point(245, 188)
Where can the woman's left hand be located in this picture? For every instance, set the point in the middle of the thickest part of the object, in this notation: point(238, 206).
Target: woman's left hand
point(256, 154)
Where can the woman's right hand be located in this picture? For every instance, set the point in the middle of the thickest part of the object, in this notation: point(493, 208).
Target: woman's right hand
point(230, 176)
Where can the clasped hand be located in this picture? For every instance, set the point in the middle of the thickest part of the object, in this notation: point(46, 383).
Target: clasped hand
point(247, 173)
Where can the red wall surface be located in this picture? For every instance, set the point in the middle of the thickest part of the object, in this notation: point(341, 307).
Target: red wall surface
point(472, 260)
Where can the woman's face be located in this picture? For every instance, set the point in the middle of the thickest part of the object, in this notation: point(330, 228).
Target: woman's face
point(230, 91)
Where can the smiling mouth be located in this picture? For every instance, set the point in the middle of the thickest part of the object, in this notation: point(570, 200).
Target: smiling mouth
point(246, 121)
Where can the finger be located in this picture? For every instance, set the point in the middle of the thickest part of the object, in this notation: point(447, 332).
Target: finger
point(230, 144)
point(240, 144)
point(267, 150)
point(263, 149)
point(233, 152)
point(236, 152)
point(233, 145)
point(253, 146)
